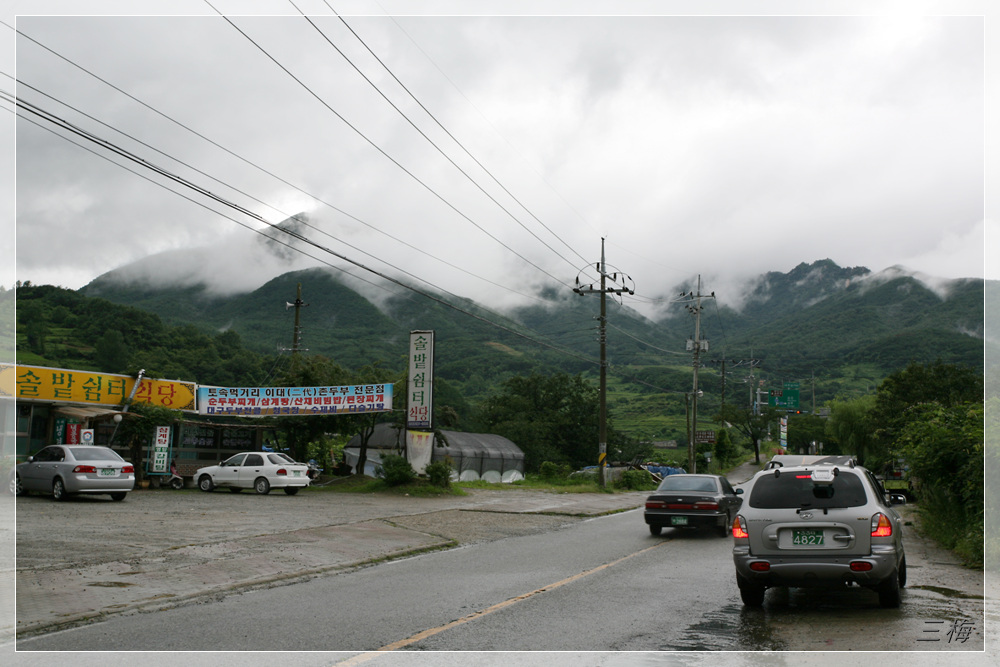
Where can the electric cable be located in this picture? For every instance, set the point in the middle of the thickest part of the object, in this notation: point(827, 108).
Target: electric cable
point(382, 151)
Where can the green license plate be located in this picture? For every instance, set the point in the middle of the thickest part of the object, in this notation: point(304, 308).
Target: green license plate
point(807, 537)
point(678, 521)
point(108, 472)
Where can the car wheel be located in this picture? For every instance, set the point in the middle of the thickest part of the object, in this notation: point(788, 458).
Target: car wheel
point(262, 486)
point(16, 488)
point(235, 489)
point(752, 594)
point(205, 483)
point(291, 490)
point(118, 497)
point(725, 527)
point(888, 592)
point(59, 490)
point(654, 530)
point(902, 573)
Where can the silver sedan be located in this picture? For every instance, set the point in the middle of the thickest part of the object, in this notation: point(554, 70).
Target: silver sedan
point(64, 470)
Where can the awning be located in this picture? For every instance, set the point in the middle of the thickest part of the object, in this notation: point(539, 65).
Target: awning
point(84, 413)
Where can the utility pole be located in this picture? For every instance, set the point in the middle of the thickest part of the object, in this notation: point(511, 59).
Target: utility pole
point(696, 345)
point(298, 305)
point(602, 445)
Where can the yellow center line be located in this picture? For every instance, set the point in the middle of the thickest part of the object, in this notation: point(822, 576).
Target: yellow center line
point(430, 632)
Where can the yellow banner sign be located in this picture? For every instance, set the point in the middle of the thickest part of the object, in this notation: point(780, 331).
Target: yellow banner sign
point(57, 384)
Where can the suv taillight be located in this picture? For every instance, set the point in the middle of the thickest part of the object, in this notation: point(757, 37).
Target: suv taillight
point(739, 528)
point(881, 526)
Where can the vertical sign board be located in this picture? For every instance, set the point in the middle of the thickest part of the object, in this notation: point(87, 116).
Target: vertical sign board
point(159, 462)
point(783, 437)
point(420, 394)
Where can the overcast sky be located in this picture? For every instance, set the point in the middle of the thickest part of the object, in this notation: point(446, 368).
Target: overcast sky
point(725, 146)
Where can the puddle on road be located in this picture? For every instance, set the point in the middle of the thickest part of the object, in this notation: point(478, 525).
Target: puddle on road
point(803, 619)
point(730, 628)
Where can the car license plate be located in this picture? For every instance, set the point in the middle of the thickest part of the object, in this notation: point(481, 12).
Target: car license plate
point(807, 538)
point(296, 473)
point(678, 521)
point(108, 472)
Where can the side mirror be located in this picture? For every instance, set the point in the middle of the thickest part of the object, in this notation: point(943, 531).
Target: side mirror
point(739, 492)
point(896, 498)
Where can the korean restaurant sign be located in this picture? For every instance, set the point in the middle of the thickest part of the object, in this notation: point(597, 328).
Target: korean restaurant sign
point(57, 384)
point(420, 395)
point(290, 401)
point(157, 463)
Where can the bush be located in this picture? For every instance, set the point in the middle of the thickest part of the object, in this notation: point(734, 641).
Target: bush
point(552, 471)
point(439, 474)
point(396, 470)
point(636, 480)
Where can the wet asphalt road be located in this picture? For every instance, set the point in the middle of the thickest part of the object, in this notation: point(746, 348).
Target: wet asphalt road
point(602, 584)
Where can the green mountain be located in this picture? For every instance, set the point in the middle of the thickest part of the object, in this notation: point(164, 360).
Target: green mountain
point(836, 331)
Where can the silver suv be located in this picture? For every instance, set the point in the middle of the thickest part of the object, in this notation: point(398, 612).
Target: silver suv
point(818, 525)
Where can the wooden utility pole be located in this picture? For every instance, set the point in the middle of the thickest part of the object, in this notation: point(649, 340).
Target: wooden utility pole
point(602, 445)
point(298, 305)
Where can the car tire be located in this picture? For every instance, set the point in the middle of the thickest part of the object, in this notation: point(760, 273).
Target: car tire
point(59, 490)
point(262, 486)
point(889, 596)
point(291, 490)
point(654, 530)
point(118, 497)
point(902, 573)
point(16, 488)
point(752, 594)
point(725, 527)
point(205, 483)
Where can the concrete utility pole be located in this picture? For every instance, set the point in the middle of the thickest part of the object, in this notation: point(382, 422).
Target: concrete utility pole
point(696, 345)
point(299, 304)
point(604, 291)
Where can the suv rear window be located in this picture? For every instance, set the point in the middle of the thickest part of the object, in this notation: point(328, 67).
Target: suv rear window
point(794, 490)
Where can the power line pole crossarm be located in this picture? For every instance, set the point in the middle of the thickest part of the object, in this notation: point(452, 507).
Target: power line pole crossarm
point(602, 445)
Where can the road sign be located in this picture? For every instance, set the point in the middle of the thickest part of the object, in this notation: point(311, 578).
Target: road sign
point(787, 397)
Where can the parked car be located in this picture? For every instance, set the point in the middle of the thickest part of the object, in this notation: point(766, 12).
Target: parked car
point(815, 526)
point(692, 501)
point(260, 471)
point(64, 470)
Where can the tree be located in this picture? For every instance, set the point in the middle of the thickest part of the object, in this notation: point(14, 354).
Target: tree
point(945, 384)
point(550, 417)
point(363, 424)
point(850, 425)
point(753, 426)
point(300, 430)
point(111, 353)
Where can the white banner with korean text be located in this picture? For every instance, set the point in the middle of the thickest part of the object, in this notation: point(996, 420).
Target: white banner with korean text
point(294, 401)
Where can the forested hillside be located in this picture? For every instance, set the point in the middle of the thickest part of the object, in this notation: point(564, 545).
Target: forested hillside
point(836, 332)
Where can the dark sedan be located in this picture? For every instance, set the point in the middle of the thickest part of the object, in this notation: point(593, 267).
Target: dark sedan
point(692, 501)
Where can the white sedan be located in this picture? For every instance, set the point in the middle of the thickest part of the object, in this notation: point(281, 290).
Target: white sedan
point(260, 471)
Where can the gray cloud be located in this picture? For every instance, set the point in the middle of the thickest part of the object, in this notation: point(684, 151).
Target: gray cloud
point(722, 146)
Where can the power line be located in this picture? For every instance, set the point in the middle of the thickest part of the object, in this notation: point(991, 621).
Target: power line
point(443, 128)
point(121, 152)
point(252, 164)
point(382, 151)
